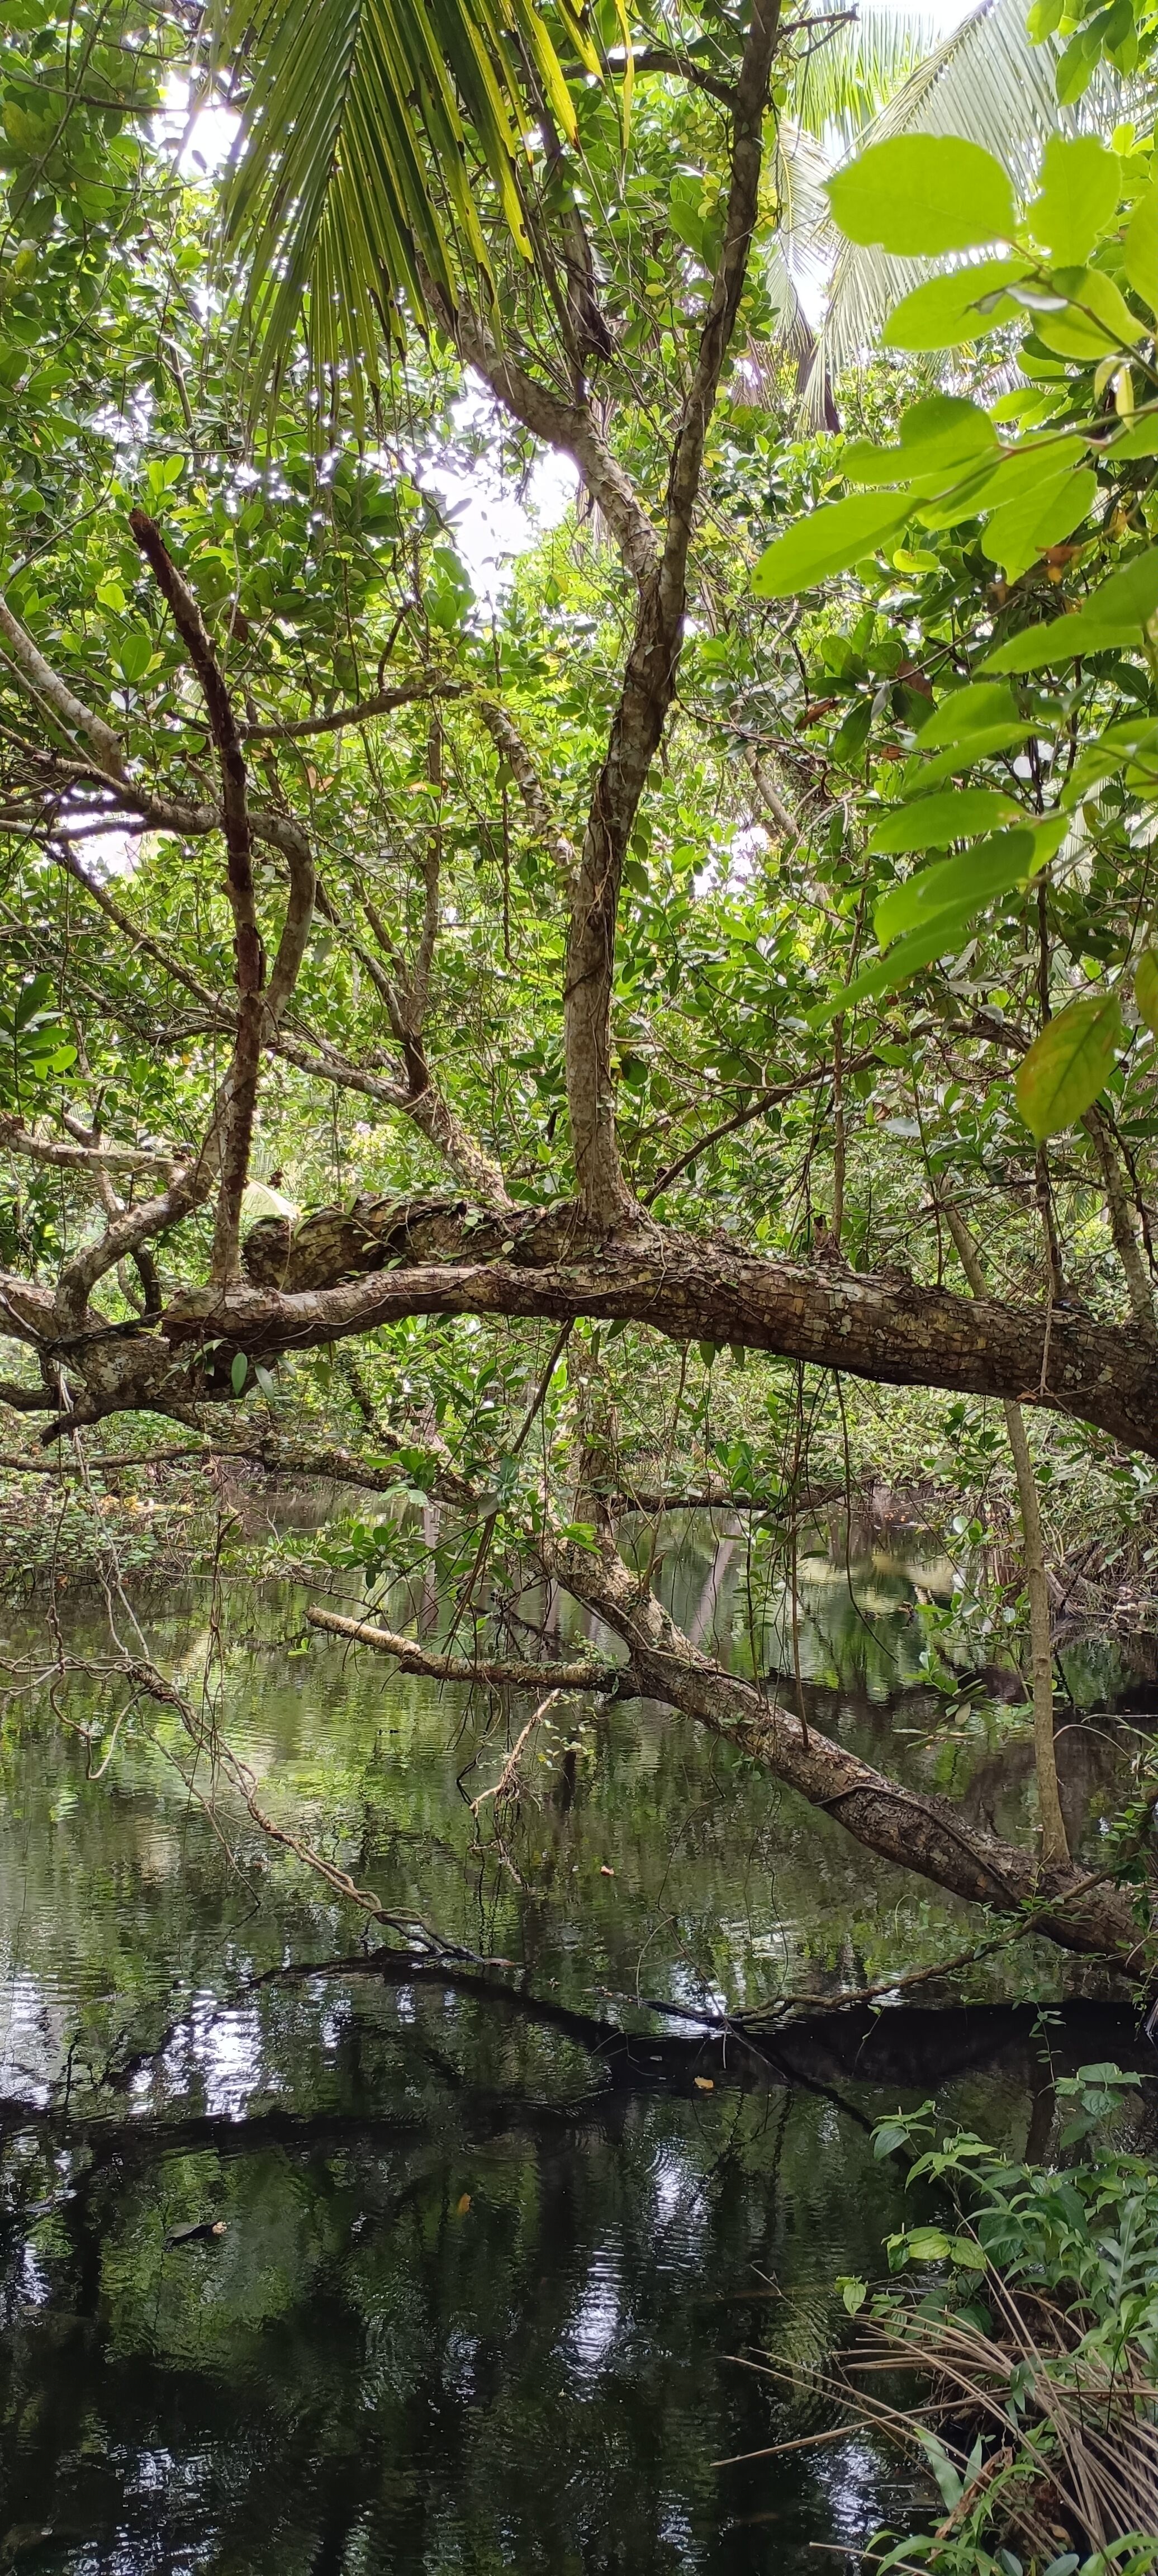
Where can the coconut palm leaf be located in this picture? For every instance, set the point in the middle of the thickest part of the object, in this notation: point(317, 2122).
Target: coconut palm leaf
point(790, 261)
point(366, 126)
point(850, 72)
point(986, 82)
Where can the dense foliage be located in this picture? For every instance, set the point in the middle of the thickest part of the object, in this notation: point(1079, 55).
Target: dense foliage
point(722, 937)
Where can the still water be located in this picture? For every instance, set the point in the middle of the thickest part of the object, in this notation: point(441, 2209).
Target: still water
point(477, 2282)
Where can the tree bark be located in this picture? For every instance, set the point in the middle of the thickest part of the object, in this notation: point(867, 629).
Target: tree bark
point(649, 679)
point(894, 1333)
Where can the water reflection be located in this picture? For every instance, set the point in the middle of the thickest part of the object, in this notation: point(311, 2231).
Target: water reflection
point(480, 2278)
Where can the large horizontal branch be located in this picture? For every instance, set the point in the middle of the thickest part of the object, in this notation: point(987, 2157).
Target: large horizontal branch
point(895, 1333)
point(412, 1658)
point(125, 806)
point(16, 1138)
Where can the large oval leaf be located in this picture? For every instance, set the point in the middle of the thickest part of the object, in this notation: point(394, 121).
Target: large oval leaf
point(948, 312)
point(977, 708)
point(941, 432)
point(1079, 196)
point(827, 541)
point(1115, 613)
point(1096, 320)
point(937, 820)
point(1140, 248)
point(1026, 528)
point(1068, 1064)
point(1146, 989)
point(886, 974)
point(970, 882)
point(921, 194)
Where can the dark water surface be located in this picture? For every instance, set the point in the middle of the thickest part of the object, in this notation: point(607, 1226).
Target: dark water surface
point(485, 2281)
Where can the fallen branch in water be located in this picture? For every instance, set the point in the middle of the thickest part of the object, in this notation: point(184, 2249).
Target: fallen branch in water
point(466, 1668)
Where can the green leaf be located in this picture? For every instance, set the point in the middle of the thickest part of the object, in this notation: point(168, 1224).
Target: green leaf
point(1075, 68)
point(887, 974)
point(1128, 598)
point(1079, 196)
point(887, 2137)
point(937, 820)
point(1068, 1064)
point(1131, 746)
point(1139, 438)
point(853, 2291)
point(1017, 534)
point(135, 653)
point(828, 541)
point(1116, 613)
point(1038, 645)
point(949, 311)
point(1146, 988)
point(1020, 474)
point(1140, 248)
point(942, 431)
point(238, 1371)
point(921, 194)
point(967, 2254)
point(926, 2244)
point(968, 882)
point(976, 708)
point(1096, 319)
point(941, 2465)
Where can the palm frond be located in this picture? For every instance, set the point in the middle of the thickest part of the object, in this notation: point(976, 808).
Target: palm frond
point(985, 82)
point(790, 264)
point(850, 73)
point(365, 128)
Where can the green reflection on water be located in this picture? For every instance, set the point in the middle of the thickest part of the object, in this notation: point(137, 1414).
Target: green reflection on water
point(473, 2301)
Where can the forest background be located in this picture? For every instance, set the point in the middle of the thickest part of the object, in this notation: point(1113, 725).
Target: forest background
point(680, 1028)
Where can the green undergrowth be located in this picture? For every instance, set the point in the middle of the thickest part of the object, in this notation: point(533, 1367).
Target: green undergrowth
point(1030, 2316)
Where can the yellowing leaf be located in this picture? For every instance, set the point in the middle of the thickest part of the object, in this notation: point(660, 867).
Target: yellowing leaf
point(1068, 1064)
